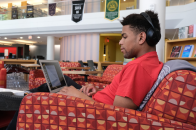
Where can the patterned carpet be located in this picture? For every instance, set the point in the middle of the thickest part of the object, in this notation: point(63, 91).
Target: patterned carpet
point(16, 81)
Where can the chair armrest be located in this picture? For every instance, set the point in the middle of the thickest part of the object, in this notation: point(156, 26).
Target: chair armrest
point(51, 110)
point(3, 77)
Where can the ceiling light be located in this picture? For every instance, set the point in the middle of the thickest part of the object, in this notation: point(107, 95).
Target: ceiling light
point(30, 44)
point(24, 41)
point(21, 37)
point(6, 42)
point(124, 0)
point(5, 38)
point(38, 37)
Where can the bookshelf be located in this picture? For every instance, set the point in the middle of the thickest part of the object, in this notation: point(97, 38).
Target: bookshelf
point(169, 44)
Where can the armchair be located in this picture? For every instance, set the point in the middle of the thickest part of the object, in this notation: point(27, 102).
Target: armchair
point(171, 107)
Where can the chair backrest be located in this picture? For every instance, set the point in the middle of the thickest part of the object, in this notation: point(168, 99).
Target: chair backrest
point(91, 65)
point(175, 97)
point(69, 64)
point(80, 61)
point(111, 71)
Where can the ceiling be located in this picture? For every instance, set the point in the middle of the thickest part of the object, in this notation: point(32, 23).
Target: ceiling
point(36, 41)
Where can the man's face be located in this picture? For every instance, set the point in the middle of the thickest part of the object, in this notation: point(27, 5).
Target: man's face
point(129, 45)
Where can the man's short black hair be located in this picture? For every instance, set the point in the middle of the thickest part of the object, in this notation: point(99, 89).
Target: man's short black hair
point(139, 24)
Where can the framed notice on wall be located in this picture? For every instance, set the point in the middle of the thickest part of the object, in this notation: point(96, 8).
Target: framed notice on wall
point(6, 52)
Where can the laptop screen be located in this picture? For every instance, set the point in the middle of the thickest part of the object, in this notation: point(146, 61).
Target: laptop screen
point(53, 74)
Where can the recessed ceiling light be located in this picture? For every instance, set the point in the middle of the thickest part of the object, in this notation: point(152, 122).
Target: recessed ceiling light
point(124, 0)
point(38, 37)
point(5, 38)
point(21, 37)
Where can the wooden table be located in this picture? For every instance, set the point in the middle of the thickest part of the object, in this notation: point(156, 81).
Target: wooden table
point(76, 68)
point(16, 61)
point(31, 66)
point(84, 73)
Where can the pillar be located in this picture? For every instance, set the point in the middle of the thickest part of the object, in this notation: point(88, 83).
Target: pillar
point(50, 48)
point(159, 7)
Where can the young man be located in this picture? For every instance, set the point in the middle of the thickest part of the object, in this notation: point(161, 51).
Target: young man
point(130, 86)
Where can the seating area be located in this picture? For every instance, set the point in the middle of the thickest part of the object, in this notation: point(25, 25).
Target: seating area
point(172, 107)
point(97, 65)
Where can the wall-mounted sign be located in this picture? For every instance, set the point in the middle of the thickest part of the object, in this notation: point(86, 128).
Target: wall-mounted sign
point(112, 8)
point(77, 10)
point(6, 52)
point(30, 12)
point(52, 9)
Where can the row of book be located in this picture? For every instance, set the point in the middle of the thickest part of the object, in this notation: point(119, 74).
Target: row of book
point(187, 52)
point(187, 32)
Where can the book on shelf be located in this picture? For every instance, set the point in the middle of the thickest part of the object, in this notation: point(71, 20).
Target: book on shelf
point(183, 33)
point(190, 32)
point(176, 50)
point(194, 30)
point(195, 54)
point(188, 50)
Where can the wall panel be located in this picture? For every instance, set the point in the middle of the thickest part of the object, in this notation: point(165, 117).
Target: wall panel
point(80, 47)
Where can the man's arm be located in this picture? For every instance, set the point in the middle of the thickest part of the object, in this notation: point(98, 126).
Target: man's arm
point(124, 102)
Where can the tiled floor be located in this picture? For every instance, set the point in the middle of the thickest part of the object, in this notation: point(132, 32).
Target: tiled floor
point(16, 81)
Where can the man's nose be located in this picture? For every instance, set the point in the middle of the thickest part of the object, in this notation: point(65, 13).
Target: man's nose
point(120, 42)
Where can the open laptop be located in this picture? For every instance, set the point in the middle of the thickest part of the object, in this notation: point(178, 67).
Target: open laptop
point(53, 74)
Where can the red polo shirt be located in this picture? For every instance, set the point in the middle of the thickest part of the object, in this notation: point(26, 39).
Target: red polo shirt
point(134, 81)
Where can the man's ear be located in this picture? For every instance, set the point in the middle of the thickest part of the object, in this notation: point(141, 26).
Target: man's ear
point(142, 38)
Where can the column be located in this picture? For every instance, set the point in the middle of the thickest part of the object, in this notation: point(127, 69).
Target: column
point(50, 48)
point(159, 7)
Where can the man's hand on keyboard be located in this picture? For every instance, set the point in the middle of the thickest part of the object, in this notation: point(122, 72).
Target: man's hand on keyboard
point(89, 89)
point(72, 91)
